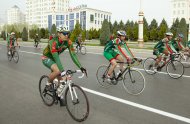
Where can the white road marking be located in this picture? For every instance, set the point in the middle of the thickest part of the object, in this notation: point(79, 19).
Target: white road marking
point(160, 112)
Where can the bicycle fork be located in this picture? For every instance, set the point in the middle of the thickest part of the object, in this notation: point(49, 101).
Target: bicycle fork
point(73, 93)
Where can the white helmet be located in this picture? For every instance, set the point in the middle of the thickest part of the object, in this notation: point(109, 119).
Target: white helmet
point(62, 29)
point(121, 33)
point(12, 33)
point(169, 34)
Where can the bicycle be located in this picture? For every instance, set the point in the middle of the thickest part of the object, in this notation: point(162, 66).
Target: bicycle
point(73, 95)
point(13, 54)
point(37, 45)
point(184, 58)
point(174, 68)
point(81, 48)
point(133, 80)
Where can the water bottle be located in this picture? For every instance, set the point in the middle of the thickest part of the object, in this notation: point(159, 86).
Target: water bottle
point(61, 88)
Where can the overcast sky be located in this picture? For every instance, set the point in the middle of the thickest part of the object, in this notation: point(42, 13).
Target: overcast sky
point(120, 9)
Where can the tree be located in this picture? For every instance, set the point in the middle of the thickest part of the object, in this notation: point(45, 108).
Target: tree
point(42, 33)
point(163, 28)
point(76, 32)
point(115, 27)
point(135, 31)
point(145, 30)
point(153, 30)
point(121, 25)
point(24, 34)
point(53, 29)
point(46, 33)
point(175, 27)
point(183, 28)
point(105, 32)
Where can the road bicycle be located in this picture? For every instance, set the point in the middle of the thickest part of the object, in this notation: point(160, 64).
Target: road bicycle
point(174, 68)
point(76, 100)
point(133, 80)
point(184, 58)
point(81, 48)
point(12, 53)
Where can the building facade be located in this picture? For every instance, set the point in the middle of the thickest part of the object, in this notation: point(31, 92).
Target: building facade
point(87, 17)
point(180, 9)
point(14, 15)
point(37, 11)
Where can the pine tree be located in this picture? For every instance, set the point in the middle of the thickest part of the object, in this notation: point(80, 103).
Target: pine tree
point(105, 32)
point(24, 34)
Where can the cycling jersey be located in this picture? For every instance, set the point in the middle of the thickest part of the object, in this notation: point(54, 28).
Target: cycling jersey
point(12, 41)
point(113, 49)
point(177, 45)
point(188, 44)
point(56, 47)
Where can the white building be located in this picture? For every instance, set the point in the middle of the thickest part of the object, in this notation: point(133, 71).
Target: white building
point(14, 15)
point(181, 9)
point(38, 10)
point(87, 17)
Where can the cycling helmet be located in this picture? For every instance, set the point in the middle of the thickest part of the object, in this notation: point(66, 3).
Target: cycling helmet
point(62, 29)
point(180, 35)
point(169, 34)
point(12, 33)
point(121, 33)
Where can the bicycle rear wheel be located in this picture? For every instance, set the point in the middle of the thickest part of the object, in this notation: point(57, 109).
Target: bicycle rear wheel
point(101, 76)
point(134, 82)
point(83, 50)
point(46, 95)
point(175, 69)
point(185, 60)
point(15, 56)
point(148, 65)
point(77, 103)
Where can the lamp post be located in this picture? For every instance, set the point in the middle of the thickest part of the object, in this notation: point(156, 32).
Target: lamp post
point(140, 33)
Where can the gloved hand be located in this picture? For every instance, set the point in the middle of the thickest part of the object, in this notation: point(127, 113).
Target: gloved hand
point(63, 73)
point(83, 70)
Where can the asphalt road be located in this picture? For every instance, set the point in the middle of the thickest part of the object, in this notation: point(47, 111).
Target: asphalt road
point(164, 100)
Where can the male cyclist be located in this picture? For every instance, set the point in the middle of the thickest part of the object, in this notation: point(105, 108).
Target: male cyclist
point(113, 52)
point(11, 41)
point(163, 47)
point(177, 43)
point(51, 58)
point(36, 40)
point(78, 41)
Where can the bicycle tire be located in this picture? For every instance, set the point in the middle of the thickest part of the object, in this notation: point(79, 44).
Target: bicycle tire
point(185, 61)
point(173, 66)
point(15, 56)
point(42, 91)
point(101, 76)
point(69, 102)
point(148, 65)
point(83, 50)
point(9, 56)
point(137, 82)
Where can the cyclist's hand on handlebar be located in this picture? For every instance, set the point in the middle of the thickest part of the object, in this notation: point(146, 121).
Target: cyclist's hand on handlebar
point(84, 71)
point(63, 73)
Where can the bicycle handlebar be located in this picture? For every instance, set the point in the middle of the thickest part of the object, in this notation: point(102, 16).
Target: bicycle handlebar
point(69, 72)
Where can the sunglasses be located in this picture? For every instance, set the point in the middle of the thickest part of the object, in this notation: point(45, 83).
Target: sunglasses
point(65, 33)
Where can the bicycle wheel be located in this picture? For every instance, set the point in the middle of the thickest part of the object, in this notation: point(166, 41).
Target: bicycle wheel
point(101, 76)
point(9, 56)
point(175, 69)
point(185, 60)
point(134, 82)
point(47, 96)
point(15, 56)
point(148, 65)
point(83, 50)
point(77, 103)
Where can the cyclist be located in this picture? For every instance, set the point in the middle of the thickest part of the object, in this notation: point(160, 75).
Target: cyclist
point(36, 40)
point(113, 52)
point(51, 58)
point(11, 41)
point(78, 41)
point(163, 47)
point(177, 43)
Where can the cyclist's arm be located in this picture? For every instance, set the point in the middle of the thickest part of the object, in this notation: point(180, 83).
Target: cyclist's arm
point(55, 55)
point(170, 48)
point(73, 54)
point(128, 50)
point(118, 47)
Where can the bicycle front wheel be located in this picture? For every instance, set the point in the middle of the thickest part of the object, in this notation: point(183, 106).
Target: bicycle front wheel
point(175, 69)
point(134, 82)
point(46, 95)
point(148, 65)
point(185, 60)
point(15, 56)
point(101, 76)
point(83, 50)
point(9, 56)
point(77, 103)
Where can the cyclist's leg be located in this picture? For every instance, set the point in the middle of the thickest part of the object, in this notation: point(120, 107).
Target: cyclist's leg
point(166, 53)
point(158, 57)
point(120, 58)
point(111, 59)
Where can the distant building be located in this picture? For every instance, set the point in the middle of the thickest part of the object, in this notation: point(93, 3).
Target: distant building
point(181, 9)
point(37, 11)
point(87, 17)
point(14, 15)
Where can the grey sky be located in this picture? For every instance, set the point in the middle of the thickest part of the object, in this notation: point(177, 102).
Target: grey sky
point(121, 9)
